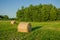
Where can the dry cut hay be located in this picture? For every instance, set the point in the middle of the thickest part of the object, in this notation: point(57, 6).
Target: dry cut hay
point(24, 27)
point(13, 22)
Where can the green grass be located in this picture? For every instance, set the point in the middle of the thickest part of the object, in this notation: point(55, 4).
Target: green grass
point(40, 31)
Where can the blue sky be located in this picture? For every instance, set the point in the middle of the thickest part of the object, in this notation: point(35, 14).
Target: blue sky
point(9, 7)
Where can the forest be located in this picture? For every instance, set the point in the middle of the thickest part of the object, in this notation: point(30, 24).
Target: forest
point(38, 13)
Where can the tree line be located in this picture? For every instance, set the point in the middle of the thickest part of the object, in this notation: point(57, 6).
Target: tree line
point(4, 17)
point(38, 13)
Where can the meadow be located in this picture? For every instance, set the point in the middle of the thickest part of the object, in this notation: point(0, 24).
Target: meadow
point(40, 31)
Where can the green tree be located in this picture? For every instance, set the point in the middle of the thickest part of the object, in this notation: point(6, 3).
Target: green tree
point(5, 17)
point(53, 14)
point(20, 14)
point(58, 14)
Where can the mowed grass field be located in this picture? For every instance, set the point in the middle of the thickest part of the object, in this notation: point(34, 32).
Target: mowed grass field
point(40, 31)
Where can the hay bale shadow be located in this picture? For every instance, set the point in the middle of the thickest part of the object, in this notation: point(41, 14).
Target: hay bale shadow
point(36, 27)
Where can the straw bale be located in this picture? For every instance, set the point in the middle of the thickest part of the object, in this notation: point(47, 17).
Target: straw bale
point(24, 27)
point(13, 22)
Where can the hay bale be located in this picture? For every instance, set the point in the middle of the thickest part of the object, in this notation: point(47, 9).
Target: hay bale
point(24, 27)
point(13, 22)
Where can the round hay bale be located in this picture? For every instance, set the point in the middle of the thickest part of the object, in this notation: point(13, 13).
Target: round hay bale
point(24, 27)
point(13, 22)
